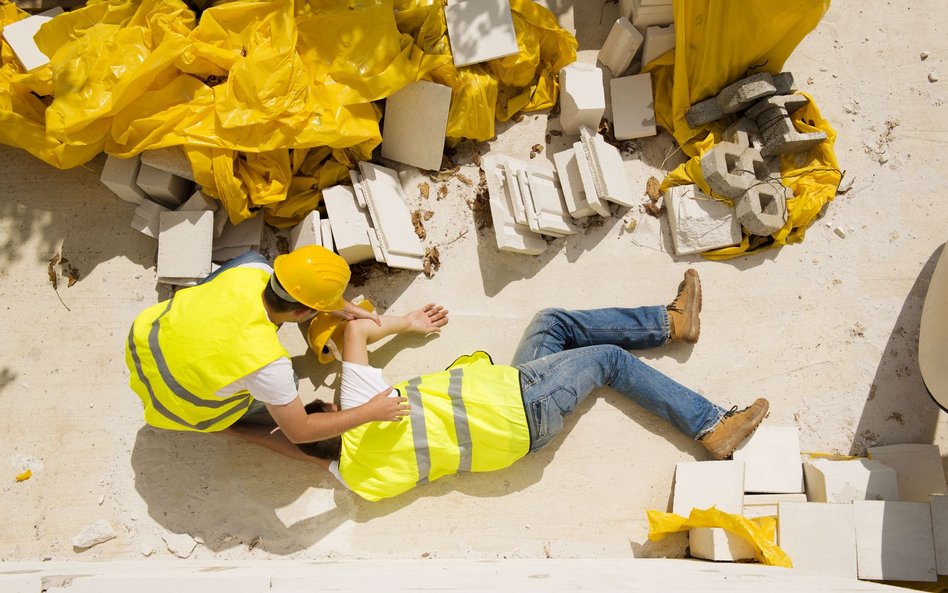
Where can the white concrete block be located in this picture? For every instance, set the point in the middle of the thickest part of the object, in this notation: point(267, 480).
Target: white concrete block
point(894, 541)
point(171, 160)
point(574, 194)
point(849, 480)
point(658, 41)
point(705, 484)
point(772, 461)
point(582, 97)
point(918, 468)
point(714, 543)
point(218, 255)
point(698, 222)
point(633, 113)
point(221, 218)
point(147, 218)
point(544, 203)
point(590, 189)
point(349, 223)
point(121, 176)
point(819, 537)
point(244, 236)
point(644, 16)
point(480, 30)
point(607, 168)
point(391, 218)
point(765, 505)
point(307, 232)
point(939, 504)
point(625, 8)
point(511, 167)
point(93, 534)
point(199, 201)
point(416, 118)
point(19, 36)
point(184, 245)
point(620, 46)
point(326, 234)
point(168, 190)
point(510, 235)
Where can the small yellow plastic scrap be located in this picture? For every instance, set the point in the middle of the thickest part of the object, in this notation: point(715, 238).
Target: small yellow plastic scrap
point(24, 476)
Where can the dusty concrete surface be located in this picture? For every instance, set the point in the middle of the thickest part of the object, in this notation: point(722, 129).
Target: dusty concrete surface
point(826, 329)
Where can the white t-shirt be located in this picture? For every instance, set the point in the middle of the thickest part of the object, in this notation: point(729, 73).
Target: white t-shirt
point(359, 384)
point(274, 383)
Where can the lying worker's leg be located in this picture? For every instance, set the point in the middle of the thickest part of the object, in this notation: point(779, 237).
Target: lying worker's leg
point(554, 385)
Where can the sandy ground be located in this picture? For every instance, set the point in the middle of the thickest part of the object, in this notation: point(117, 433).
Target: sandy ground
point(826, 329)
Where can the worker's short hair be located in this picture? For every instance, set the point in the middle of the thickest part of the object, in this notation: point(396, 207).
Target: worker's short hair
point(278, 303)
point(330, 448)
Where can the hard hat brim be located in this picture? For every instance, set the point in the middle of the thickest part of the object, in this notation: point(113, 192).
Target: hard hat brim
point(933, 334)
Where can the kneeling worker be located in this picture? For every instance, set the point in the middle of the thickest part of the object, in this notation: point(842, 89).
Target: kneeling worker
point(477, 416)
point(199, 360)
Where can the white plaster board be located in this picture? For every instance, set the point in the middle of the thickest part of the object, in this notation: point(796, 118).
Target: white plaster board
point(818, 537)
point(349, 223)
point(571, 183)
point(703, 484)
point(714, 543)
point(595, 201)
point(918, 467)
point(19, 36)
point(847, 481)
point(772, 462)
point(307, 232)
point(509, 235)
point(658, 41)
point(480, 30)
point(547, 203)
point(633, 114)
point(894, 541)
point(121, 176)
point(517, 199)
point(620, 46)
point(389, 211)
point(608, 170)
point(698, 222)
point(184, 244)
point(415, 122)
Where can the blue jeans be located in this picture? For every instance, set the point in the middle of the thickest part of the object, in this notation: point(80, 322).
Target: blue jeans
point(564, 355)
point(248, 257)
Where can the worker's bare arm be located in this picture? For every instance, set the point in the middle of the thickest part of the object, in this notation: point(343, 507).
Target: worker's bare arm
point(275, 441)
point(300, 427)
point(360, 333)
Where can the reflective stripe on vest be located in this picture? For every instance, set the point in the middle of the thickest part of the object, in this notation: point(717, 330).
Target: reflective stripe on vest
point(468, 418)
point(182, 352)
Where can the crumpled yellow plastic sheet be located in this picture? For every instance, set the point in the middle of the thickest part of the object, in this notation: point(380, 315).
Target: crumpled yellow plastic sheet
point(758, 532)
point(272, 100)
point(717, 43)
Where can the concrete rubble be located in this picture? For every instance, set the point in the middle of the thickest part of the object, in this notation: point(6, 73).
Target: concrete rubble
point(620, 47)
point(93, 534)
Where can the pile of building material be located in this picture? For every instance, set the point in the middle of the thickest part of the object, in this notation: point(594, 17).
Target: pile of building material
point(19, 36)
point(882, 518)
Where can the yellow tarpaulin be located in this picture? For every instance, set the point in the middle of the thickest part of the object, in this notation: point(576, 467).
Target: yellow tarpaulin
point(758, 533)
point(717, 43)
point(272, 101)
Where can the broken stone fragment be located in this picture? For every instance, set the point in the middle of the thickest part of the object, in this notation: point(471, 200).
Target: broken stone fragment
point(93, 534)
point(179, 544)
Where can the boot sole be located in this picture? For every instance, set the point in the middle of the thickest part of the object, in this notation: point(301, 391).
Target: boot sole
point(695, 306)
point(748, 435)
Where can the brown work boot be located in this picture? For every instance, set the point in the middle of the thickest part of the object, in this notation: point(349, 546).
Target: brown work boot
point(683, 311)
point(733, 428)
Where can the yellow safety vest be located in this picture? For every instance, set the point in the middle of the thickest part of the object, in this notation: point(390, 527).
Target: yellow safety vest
point(180, 352)
point(469, 417)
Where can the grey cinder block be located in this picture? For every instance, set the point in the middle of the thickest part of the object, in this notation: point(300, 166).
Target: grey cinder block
point(745, 91)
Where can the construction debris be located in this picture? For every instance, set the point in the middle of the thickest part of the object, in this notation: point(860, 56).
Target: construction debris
point(414, 126)
point(582, 98)
point(93, 534)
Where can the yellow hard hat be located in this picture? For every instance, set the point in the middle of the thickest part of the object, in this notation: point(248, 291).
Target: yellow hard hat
point(313, 276)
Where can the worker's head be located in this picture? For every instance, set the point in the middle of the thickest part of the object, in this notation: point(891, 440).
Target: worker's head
point(307, 280)
point(327, 449)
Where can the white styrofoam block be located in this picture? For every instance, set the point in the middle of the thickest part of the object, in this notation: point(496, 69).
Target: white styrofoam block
point(582, 97)
point(147, 218)
point(547, 204)
point(894, 541)
point(765, 505)
point(480, 30)
point(771, 459)
point(633, 113)
point(121, 176)
point(849, 480)
point(510, 235)
point(391, 218)
point(19, 36)
point(595, 201)
point(658, 41)
point(698, 222)
point(705, 484)
point(939, 504)
point(620, 46)
point(918, 468)
point(167, 189)
point(572, 184)
point(307, 232)
point(326, 234)
point(645, 16)
point(199, 201)
point(818, 537)
point(714, 543)
point(244, 236)
point(416, 118)
point(608, 170)
point(171, 159)
point(350, 224)
point(184, 244)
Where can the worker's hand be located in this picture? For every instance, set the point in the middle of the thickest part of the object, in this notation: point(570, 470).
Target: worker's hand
point(350, 312)
point(384, 408)
point(428, 320)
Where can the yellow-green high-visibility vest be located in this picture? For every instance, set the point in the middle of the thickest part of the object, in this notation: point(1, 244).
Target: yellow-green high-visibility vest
point(182, 351)
point(469, 417)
